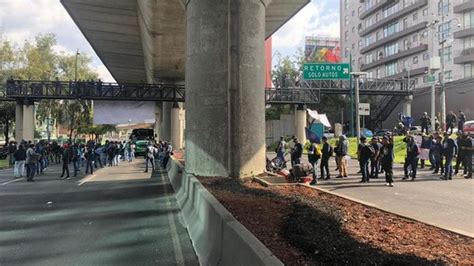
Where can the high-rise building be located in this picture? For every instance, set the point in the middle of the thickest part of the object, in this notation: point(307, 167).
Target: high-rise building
point(398, 39)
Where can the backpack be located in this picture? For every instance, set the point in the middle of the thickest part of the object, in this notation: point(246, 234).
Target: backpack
point(369, 151)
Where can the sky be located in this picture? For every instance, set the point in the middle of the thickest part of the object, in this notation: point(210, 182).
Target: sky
point(22, 20)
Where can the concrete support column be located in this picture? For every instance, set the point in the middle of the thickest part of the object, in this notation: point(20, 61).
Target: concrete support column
point(18, 122)
point(166, 121)
point(157, 126)
point(28, 122)
point(225, 119)
point(407, 106)
point(300, 124)
point(176, 130)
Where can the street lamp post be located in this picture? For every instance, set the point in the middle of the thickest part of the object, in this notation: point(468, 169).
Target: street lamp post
point(356, 76)
point(75, 69)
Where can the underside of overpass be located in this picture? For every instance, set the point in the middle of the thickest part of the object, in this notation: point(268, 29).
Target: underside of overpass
point(215, 47)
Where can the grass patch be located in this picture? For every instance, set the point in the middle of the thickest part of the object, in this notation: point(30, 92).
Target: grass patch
point(4, 164)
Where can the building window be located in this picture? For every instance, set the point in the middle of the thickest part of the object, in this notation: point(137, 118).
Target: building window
point(369, 58)
point(369, 22)
point(353, 30)
point(353, 46)
point(391, 69)
point(405, 23)
point(415, 16)
point(468, 42)
point(360, 44)
point(391, 49)
point(369, 4)
point(346, 4)
point(468, 18)
point(377, 73)
point(379, 55)
point(426, 56)
point(353, 12)
point(415, 38)
point(425, 79)
point(445, 53)
point(444, 30)
point(415, 60)
point(390, 10)
point(406, 44)
point(443, 7)
point(360, 10)
point(346, 35)
point(390, 29)
point(347, 20)
point(425, 12)
point(468, 70)
point(369, 40)
point(346, 52)
point(378, 36)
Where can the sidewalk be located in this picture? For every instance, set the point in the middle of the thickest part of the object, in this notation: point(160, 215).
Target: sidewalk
point(446, 204)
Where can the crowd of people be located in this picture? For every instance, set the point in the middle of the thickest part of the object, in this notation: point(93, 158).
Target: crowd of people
point(445, 154)
point(29, 159)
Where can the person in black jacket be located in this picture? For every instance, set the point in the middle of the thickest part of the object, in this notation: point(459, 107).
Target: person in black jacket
point(425, 122)
point(20, 157)
point(326, 151)
point(90, 158)
point(67, 156)
point(387, 156)
point(461, 121)
point(411, 159)
point(296, 152)
point(450, 121)
point(450, 150)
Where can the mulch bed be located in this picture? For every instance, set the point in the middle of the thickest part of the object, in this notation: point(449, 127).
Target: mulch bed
point(302, 226)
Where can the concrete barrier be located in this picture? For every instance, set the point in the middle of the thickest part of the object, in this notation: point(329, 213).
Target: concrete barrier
point(218, 238)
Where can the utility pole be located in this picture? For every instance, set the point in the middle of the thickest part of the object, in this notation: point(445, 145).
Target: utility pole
point(441, 80)
point(75, 69)
point(356, 76)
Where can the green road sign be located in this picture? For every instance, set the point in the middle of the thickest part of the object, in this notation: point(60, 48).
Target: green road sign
point(313, 71)
point(430, 78)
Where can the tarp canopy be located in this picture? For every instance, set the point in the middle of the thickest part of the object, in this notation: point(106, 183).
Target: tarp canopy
point(319, 118)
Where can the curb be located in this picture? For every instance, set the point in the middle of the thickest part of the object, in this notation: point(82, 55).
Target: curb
point(451, 230)
point(368, 204)
point(217, 237)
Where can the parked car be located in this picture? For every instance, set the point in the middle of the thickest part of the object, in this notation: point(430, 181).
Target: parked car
point(469, 127)
point(382, 132)
point(415, 129)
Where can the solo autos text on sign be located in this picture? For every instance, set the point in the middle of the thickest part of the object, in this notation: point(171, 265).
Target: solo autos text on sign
point(314, 71)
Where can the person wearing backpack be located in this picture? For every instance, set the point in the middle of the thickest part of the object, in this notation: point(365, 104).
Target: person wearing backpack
point(326, 153)
point(314, 154)
point(411, 159)
point(365, 152)
point(150, 157)
point(450, 149)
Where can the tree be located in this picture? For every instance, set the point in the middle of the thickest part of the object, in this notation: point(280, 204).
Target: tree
point(7, 109)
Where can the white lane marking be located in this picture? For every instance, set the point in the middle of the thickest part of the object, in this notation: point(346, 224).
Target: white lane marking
point(84, 180)
point(178, 253)
point(12, 181)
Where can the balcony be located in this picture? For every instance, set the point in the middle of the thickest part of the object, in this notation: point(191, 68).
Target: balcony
point(461, 8)
point(413, 73)
point(394, 57)
point(467, 56)
point(375, 8)
point(402, 12)
point(464, 33)
point(393, 37)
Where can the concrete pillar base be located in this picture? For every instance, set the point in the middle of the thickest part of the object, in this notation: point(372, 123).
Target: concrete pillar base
point(300, 125)
point(176, 129)
point(225, 102)
point(28, 122)
point(18, 122)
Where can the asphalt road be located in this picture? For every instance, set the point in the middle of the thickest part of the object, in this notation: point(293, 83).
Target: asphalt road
point(118, 216)
point(446, 204)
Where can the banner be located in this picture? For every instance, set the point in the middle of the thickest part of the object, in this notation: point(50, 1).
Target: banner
point(123, 112)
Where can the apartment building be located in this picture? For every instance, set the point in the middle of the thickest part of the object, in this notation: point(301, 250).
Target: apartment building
point(397, 39)
point(389, 38)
